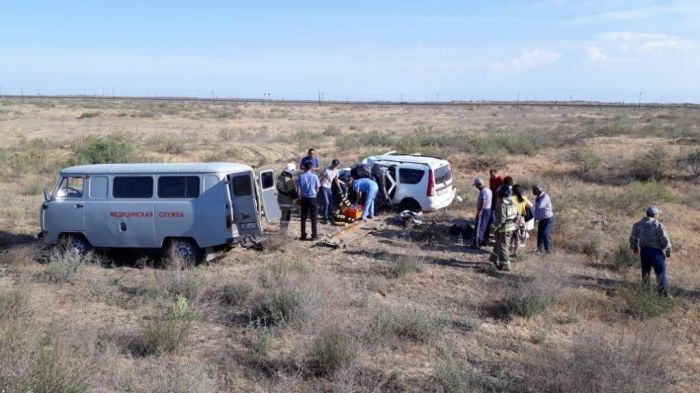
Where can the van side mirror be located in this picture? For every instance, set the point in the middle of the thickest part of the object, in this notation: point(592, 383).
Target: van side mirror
point(46, 194)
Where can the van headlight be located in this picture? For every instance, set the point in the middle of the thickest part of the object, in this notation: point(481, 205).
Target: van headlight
point(249, 225)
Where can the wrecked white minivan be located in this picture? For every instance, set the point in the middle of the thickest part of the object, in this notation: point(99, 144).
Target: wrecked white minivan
point(195, 208)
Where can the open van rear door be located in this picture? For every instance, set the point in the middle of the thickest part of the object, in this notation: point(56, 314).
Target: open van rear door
point(268, 195)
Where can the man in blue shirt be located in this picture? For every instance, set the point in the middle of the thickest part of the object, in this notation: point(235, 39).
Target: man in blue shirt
point(369, 188)
point(313, 159)
point(307, 188)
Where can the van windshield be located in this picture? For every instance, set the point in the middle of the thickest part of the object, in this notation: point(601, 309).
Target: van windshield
point(443, 174)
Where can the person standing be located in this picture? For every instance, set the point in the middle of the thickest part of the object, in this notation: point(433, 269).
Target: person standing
point(286, 194)
point(522, 204)
point(328, 178)
point(650, 240)
point(504, 227)
point(544, 215)
point(495, 182)
point(307, 187)
point(313, 159)
point(483, 213)
point(367, 188)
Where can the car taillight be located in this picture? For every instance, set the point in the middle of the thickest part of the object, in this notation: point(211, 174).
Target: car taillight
point(229, 221)
point(431, 184)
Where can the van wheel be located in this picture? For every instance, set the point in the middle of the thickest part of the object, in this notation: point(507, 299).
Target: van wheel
point(410, 204)
point(184, 252)
point(76, 243)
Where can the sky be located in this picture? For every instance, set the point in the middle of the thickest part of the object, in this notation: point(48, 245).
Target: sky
point(615, 50)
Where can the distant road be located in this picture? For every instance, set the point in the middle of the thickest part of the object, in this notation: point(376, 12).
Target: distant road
point(585, 104)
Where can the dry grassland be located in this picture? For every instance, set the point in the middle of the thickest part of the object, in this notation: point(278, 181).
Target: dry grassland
point(394, 312)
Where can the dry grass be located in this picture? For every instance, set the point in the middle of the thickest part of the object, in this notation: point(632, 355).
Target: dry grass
point(636, 362)
point(295, 318)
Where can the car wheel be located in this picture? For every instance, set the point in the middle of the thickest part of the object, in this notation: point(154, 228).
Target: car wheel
point(185, 251)
point(410, 204)
point(78, 244)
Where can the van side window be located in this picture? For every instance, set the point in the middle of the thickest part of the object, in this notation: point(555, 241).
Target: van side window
point(70, 187)
point(410, 176)
point(210, 181)
point(241, 185)
point(178, 187)
point(98, 187)
point(133, 187)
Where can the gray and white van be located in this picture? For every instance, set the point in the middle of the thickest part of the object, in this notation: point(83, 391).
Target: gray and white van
point(195, 208)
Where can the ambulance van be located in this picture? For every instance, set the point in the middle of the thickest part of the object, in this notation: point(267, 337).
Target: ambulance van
point(195, 208)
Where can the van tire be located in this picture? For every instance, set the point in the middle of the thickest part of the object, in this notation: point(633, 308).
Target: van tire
point(75, 242)
point(185, 250)
point(410, 204)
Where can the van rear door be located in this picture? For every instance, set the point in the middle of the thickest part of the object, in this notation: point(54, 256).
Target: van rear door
point(268, 196)
point(245, 206)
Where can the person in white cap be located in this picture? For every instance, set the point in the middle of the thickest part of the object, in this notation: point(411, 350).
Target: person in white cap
point(650, 240)
point(286, 194)
point(483, 213)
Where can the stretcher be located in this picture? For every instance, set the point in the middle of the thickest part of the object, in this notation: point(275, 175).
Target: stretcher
point(349, 234)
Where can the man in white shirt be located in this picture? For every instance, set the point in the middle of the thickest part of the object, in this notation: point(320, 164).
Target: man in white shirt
point(328, 178)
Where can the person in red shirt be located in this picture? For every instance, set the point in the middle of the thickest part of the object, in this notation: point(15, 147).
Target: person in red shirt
point(495, 181)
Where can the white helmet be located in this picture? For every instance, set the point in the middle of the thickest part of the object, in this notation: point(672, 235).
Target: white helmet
point(290, 168)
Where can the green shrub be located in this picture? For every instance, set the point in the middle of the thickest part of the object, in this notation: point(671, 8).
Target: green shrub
point(331, 352)
point(653, 165)
point(265, 340)
point(278, 307)
point(448, 373)
point(234, 294)
point(14, 304)
point(691, 163)
point(404, 265)
point(88, 115)
point(468, 319)
point(587, 163)
point(332, 131)
point(623, 257)
point(103, 150)
point(51, 373)
point(608, 363)
point(186, 283)
point(169, 330)
point(637, 195)
point(643, 302)
point(531, 297)
point(414, 324)
point(65, 266)
point(594, 247)
point(173, 378)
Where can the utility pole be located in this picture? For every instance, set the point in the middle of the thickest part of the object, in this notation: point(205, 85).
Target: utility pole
point(517, 101)
point(1, 97)
point(640, 99)
point(112, 92)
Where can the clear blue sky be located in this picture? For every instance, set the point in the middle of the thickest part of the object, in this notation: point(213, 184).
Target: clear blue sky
point(542, 49)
